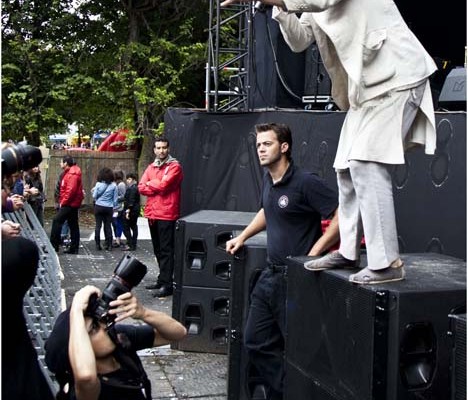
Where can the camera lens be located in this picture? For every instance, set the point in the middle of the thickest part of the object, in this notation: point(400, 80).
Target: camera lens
point(19, 157)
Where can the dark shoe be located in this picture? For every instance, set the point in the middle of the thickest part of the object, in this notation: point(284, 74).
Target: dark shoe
point(164, 291)
point(366, 276)
point(71, 251)
point(115, 244)
point(109, 248)
point(153, 286)
point(331, 260)
point(98, 247)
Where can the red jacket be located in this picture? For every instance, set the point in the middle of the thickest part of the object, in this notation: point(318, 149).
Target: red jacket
point(162, 186)
point(71, 187)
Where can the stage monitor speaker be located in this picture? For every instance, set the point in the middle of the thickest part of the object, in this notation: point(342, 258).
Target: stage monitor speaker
point(200, 247)
point(244, 382)
point(380, 342)
point(453, 94)
point(458, 356)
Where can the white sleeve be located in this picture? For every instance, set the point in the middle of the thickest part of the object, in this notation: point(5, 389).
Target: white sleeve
point(297, 32)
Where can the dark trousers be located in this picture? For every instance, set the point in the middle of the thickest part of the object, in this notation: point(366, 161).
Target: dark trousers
point(265, 328)
point(130, 230)
point(162, 237)
point(69, 214)
point(103, 216)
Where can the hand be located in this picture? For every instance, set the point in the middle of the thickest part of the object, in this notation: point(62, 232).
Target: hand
point(10, 229)
point(233, 245)
point(81, 298)
point(17, 200)
point(125, 306)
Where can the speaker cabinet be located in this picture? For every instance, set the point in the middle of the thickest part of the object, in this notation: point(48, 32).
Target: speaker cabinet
point(202, 277)
point(244, 382)
point(458, 356)
point(276, 72)
point(317, 85)
point(200, 247)
point(453, 94)
point(205, 314)
point(360, 342)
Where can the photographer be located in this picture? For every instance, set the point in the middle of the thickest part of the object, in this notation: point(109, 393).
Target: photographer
point(99, 361)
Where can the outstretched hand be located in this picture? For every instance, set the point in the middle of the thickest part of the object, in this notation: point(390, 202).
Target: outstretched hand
point(228, 2)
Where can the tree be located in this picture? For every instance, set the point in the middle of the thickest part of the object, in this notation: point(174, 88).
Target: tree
point(100, 64)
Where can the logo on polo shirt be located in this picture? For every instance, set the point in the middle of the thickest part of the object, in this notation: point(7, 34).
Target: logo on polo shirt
point(283, 201)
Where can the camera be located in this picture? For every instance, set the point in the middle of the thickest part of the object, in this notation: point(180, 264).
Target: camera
point(128, 274)
point(19, 157)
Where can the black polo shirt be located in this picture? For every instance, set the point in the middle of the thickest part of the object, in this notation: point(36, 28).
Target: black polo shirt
point(294, 208)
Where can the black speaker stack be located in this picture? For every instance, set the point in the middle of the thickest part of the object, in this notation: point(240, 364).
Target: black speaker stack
point(458, 356)
point(202, 277)
point(381, 342)
point(244, 382)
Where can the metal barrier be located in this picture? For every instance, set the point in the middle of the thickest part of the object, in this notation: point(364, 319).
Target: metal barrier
point(43, 301)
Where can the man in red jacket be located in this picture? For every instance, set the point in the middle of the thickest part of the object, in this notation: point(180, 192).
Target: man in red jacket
point(161, 184)
point(70, 198)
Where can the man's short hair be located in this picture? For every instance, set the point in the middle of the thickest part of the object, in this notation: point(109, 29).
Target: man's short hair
point(68, 160)
point(162, 139)
point(132, 176)
point(282, 131)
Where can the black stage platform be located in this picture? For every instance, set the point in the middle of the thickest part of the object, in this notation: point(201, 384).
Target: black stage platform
point(217, 151)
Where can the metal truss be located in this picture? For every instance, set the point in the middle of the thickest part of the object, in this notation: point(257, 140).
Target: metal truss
point(227, 71)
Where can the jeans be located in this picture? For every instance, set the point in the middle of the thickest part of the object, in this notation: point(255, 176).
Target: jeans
point(103, 216)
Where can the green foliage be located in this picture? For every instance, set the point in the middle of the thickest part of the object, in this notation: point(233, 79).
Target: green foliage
point(98, 63)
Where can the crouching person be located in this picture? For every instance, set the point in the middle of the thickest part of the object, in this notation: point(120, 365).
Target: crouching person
point(96, 359)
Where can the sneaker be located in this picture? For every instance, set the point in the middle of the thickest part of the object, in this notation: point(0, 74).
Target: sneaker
point(164, 291)
point(329, 261)
point(394, 273)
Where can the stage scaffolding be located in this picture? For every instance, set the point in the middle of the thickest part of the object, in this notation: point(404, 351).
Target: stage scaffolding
point(227, 71)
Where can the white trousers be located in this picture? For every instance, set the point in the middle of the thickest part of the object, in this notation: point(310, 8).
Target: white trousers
point(366, 202)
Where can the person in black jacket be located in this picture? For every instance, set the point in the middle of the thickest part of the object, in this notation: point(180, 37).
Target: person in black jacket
point(131, 212)
point(22, 377)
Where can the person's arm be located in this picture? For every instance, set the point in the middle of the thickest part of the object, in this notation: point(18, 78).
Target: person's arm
point(143, 187)
point(279, 3)
point(171, 178)
point(166, 329)
point(328, 239)
point(80, 349)
point(258, 224)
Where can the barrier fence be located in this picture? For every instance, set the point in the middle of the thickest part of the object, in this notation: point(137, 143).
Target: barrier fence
point(43, 302)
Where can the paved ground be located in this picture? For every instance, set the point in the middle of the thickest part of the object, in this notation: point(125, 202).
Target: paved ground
point(174, 374)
